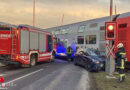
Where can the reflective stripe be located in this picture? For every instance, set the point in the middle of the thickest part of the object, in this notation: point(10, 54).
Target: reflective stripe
point(123, 53)
point(69, 52)
point(122, 64)
point(121, 75)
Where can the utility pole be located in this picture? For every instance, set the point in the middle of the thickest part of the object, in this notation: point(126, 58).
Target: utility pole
point(111, 10)
point(33, 12)
point(110, 63)
point(62, 22)
point(115, 10)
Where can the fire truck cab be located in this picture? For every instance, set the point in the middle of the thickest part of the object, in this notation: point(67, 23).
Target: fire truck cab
point(25, 44)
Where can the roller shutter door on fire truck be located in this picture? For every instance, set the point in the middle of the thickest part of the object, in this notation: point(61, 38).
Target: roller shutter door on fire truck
point(33, 41)
point(42, 43)
point(24, 44)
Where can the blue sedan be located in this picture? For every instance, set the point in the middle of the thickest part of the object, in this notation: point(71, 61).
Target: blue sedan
point(90, 60)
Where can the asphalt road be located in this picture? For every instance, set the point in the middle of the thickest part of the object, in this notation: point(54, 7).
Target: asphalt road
point(59, 75)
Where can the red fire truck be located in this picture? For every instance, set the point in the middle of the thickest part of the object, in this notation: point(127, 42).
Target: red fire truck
point(25, 44)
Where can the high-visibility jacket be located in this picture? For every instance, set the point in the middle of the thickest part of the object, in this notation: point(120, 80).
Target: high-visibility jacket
point(121, 57)
point(69, 50)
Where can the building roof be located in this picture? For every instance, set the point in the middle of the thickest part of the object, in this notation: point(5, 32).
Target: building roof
point(96, 20)
point(124, 15)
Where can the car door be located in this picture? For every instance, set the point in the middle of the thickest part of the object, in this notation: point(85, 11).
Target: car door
point(78, 59)
point(85, 59)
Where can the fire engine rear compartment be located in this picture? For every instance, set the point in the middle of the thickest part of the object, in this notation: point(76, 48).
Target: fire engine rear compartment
point(32, 41)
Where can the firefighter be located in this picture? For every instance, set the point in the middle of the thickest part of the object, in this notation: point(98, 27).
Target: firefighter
point(121, 59)
point(69, 52)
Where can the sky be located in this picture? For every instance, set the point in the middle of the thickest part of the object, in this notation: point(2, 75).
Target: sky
point(49, 12)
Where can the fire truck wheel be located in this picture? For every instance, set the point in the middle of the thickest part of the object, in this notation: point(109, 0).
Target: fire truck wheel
point(32, 61)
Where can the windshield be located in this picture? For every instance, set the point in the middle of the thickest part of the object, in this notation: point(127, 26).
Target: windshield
point(100, 53)
point(91, 53)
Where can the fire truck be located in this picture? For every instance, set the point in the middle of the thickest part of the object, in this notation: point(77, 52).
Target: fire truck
point(25, 44)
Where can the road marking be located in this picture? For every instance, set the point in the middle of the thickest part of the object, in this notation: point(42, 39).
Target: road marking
point(2, 74)
point(24, 76)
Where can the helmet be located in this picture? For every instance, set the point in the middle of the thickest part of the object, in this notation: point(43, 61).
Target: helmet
point(120, 45)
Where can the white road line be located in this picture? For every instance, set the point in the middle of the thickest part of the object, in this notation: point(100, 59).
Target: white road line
point(24, 76)
point(2, 74)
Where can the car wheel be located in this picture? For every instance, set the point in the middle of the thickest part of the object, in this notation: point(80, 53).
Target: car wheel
point(88, 67)
point(98, 69)
point(75, 63)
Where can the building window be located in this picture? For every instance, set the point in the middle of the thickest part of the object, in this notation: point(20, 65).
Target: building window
point(102, 28)
point(123, 25)
point(80, 39)
point(57, 32)
point(81, 28)
point(90, 39)
point(93, 25)
point(64, 31)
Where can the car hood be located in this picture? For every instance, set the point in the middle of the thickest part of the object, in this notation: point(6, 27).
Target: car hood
point(97, 58)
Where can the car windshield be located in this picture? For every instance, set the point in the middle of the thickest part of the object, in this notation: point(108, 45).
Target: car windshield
point(102, 53)
point(99, 53)
point(91, 53)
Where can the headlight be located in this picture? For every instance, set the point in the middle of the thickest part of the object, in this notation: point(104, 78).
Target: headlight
point(96, 61)
point(62, 54)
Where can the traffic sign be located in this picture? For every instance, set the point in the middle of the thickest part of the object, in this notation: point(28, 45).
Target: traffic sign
point(110, 51)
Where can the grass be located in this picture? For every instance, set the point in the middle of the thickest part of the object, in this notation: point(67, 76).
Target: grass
point(103, 83)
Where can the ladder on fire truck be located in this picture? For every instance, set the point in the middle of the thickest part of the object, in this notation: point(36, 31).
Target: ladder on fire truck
point(14, 43)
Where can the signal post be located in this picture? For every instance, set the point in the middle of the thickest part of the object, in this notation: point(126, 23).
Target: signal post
point(110, 35)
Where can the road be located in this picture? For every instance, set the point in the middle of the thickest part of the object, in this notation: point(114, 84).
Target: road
point(59, 75)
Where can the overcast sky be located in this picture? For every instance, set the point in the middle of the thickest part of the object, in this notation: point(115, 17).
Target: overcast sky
point(49, 12)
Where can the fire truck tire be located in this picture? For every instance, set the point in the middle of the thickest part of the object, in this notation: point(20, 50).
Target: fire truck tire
point(32, 61)
point(25, 65)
